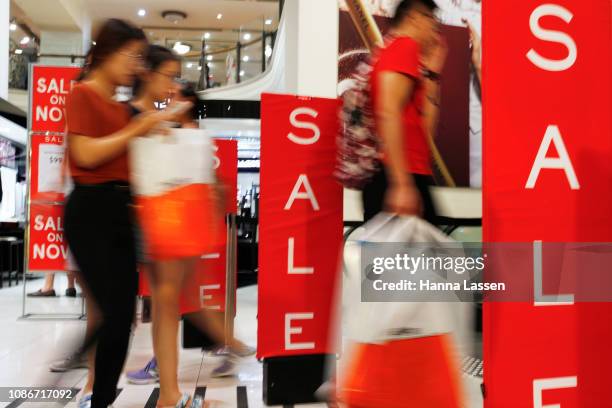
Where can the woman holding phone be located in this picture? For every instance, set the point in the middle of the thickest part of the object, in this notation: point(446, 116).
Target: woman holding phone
point(99, 224)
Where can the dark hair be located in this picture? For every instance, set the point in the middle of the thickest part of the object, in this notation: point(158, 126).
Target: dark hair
point(113, 35)
point(188, 91)
point(405, 6)
point(154, 57)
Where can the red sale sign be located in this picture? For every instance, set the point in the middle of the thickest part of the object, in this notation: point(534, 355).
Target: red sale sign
point(206, 287)
point(47, 247)
point(300, 225)
point(48, 91)
point(49, 88)
point(547, 173)
point(47, 168)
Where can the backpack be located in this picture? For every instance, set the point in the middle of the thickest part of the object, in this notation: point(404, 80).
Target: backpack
point(358, 157)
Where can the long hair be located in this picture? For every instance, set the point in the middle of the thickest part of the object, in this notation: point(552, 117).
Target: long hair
point(112, 36)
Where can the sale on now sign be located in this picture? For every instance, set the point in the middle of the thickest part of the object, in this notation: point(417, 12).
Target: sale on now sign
point(48, 247)
point(51, 88)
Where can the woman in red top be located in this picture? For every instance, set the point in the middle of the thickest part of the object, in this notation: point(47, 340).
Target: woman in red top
point(404, 93)
point(98, 217)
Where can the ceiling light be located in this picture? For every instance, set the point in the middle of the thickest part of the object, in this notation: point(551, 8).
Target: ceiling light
point(142, 12)
point(181, 48)
point(268, 51)
point(245, 58)
point(242, 73)
point(18, 51)
point(247, 36)
point(269, 21)
point(13, 27)
point(210, 65)
point(207, 47)
point(219, 16)
point(206, 36)
point(174, 16)
point(189, 64)
point(199, 67)
point(24, 40)
point(209, 58)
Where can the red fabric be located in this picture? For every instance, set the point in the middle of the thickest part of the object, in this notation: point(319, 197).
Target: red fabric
point(89, 114)
point(406, 373)
point(317, 233)
point(402, 55)
point(526, 343)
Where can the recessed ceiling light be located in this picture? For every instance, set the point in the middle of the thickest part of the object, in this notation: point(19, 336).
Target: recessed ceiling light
point(242, 73)
point(13, 27)
point(207, 47)
point(199, 67)
point(209, 58)
point(246, 58)
point(142, 12)
point(18, 51)
point(269, 21)
point(219, 16)
point(206, 36)
point(247, 36)
point(189, 64)
point(24, 40)
point(181, 48)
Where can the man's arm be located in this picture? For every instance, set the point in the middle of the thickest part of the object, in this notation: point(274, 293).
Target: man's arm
point(395, 90)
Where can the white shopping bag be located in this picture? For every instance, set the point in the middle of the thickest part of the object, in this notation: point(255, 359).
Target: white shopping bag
point(160, 163)
point(374, 322)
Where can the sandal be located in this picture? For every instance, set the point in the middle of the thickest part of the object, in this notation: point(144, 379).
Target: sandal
point(183, 402)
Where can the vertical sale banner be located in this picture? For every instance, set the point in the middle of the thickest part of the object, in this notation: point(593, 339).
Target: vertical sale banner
point(300, 225)
point(212, 269)
point(50, 86)
point(547, 171)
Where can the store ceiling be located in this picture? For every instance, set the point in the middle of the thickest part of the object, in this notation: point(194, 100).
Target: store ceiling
point(70, 15)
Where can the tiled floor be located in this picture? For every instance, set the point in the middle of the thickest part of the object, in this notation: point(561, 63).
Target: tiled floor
point(27, 347)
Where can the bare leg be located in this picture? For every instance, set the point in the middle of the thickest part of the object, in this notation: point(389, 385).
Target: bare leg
point(166, 283)
point(49, 281)
point(210, 322)
point(70, 277)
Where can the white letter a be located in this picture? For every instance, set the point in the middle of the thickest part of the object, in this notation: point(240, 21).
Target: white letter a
point(562, 162)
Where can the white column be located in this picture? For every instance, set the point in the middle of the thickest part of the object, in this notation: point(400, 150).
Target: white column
point(60, 42)
point(5, 16)
point(312, 47)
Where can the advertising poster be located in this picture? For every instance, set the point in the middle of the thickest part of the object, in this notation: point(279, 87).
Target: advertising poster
point(364, 22)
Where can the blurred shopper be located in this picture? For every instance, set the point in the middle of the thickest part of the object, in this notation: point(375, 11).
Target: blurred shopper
point(167, 277)
point(48, 289)
point(405, 99)
point(98, 215)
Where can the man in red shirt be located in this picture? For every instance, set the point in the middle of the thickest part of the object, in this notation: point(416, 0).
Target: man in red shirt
point(405, 98)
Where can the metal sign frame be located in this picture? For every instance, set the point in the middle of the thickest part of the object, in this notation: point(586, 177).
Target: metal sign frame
point(28, 202)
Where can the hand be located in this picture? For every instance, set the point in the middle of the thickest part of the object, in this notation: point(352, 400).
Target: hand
point(403, 200)
point(435, 58)
point(154, 122)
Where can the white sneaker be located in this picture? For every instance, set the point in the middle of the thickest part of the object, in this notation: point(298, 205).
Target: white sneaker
point(227, 368)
